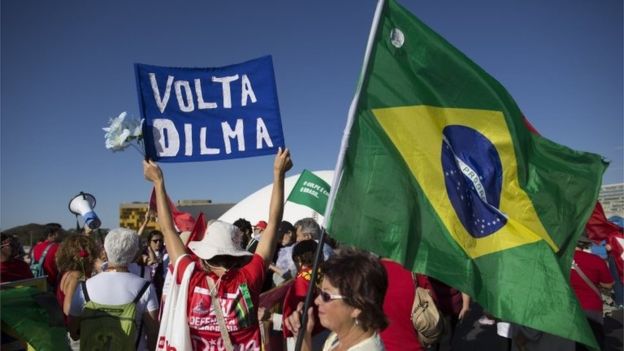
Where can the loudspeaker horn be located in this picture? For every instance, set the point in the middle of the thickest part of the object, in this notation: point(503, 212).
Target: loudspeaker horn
point(83, 204)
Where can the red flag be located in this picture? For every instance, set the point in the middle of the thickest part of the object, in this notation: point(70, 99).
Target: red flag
point(183, 221)
point(616, 242)
point(598, 227)
point(197, 234)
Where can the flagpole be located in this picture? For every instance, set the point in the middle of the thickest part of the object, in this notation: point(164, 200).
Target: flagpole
point(310, 293)
point(338, 173)
point(351, 117)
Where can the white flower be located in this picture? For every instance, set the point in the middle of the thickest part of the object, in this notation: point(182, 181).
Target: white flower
point(121, 132)
point(118, 141)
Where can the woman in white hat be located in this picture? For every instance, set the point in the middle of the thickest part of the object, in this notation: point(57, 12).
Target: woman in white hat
point(227, 271)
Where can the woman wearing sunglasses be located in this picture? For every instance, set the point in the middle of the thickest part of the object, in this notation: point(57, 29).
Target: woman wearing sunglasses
point(349, 303)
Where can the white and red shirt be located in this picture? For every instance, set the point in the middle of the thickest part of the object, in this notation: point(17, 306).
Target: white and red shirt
point(238, 291)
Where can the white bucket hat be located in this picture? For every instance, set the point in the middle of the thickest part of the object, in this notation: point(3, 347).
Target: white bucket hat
point(221, 238)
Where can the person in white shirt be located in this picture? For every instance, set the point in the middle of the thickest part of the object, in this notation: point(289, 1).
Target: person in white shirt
point(117, 286)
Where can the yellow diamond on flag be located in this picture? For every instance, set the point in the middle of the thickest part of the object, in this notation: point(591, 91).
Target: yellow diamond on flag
point(464, 161)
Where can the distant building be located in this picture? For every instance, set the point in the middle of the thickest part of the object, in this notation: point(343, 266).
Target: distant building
point(611, 198)
point(132, 214)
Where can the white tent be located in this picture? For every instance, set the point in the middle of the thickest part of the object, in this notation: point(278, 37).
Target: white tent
point(255, 207)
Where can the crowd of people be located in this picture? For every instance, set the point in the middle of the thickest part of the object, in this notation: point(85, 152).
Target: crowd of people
point(137, 290)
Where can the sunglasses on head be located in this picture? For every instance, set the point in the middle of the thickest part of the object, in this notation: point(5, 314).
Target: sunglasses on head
point(327, 297)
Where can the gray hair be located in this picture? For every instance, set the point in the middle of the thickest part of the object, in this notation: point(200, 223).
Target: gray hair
point(121, 246)
point(309, 226)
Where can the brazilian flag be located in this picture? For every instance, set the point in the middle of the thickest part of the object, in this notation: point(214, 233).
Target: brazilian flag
point(439, 171)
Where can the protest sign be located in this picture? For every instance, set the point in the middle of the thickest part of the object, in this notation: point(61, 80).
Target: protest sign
point(203, 114)
point(310, 191)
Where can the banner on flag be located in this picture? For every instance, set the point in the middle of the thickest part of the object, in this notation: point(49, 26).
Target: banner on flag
point(310, 191)
point(203, 114)
point(449, 181)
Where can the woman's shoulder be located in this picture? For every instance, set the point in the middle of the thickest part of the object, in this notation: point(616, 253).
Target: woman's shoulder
point(372, 343)
point(331, 342)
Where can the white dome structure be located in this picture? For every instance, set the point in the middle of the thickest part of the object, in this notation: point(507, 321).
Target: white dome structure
point(255, 207)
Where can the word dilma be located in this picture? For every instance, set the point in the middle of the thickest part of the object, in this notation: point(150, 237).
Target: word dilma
point(167, 137)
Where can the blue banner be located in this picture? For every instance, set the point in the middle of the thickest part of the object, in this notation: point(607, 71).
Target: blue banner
point(203, 114)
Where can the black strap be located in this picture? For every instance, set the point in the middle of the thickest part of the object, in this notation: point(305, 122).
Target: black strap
point(84, 291)
point(138, 340)
point(141, 292)
point(139, 334)
point(142, 270)
point(136, 300)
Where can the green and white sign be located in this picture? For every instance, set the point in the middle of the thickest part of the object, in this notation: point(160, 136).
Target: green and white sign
point(310, 191)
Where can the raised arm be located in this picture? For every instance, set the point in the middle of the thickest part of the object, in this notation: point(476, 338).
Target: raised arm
point(148, 214)
point(268, 240)
point(154, 174)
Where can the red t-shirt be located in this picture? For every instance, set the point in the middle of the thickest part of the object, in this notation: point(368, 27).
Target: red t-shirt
point(596, 270)
point(49, 264)
point(13, 270)
point(295, 294)
point(238, 291)
point(400, 333)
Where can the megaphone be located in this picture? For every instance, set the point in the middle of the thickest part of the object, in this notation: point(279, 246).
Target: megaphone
point(83, 204)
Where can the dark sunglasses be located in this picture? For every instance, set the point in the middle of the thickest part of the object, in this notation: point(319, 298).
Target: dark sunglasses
point(327, 297)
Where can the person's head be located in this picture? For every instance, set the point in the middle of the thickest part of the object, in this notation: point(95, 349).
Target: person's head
point(583, 242)
point(221, 247)
point(121, 246)
point(352, 291)
point(259, 227)
point(285, 233)
point(8, 246)
point(52, 231)
point(156, 240)
point(245, 227)
point(307, 228)
point(77, 253)
point(303, 253)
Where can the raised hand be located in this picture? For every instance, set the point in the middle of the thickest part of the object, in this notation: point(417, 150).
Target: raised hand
point(283, 162)
point(152, 171)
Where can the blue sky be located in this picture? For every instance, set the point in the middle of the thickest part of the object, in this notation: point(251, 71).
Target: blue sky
point(67, 68)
